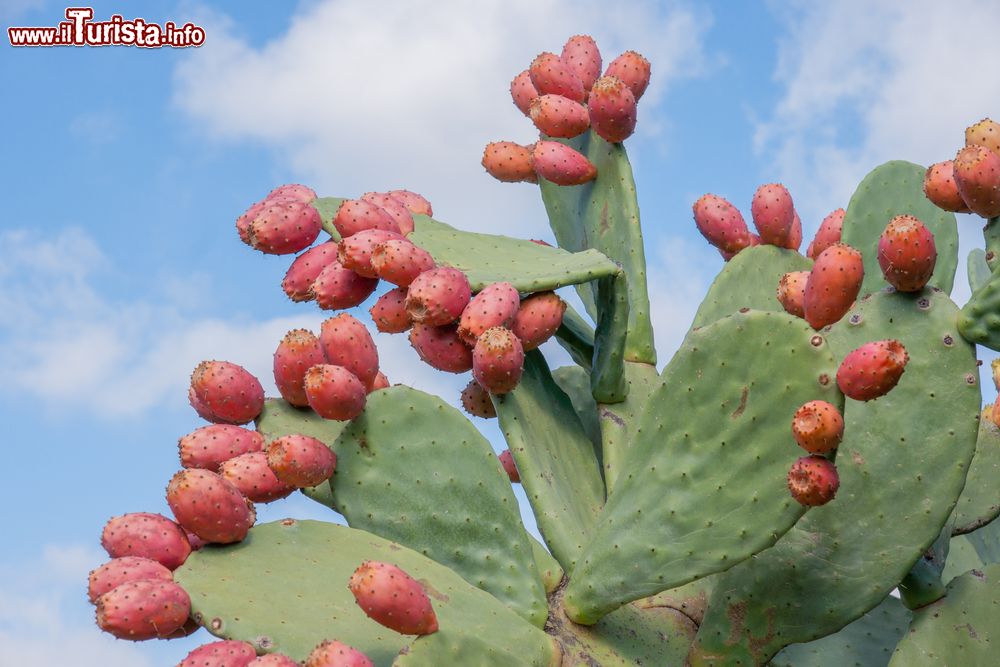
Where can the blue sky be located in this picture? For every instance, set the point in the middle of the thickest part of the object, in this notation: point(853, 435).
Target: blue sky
point(125, 169)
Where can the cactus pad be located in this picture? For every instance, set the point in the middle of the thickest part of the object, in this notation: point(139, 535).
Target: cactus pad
point(979, 503)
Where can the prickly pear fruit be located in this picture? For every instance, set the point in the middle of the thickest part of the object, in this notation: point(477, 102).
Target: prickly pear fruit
point(389, 312)
point(227, 653)
point(580, 54)
point(833, 285)
point(754, 241)
point(813, 481)
point(413, 202)
point(509, 162)
point(118, 571)
point(551, 76)
point(335, 392)
point(146, 609)
point(977, 175)
point(721, 223)
point(561, 164)
point(248, 216)
point(251, 475)
point(791, 292)
point(773, 214)
point(984, 133)
point(558, 116)
point(293, 191)
point(438, 296)
point(274, 660)
point(381, 382)
point(284, 226)
point(538, 319)
point(357, 215)
point(906, 253)
point(355, 252)
point(297, 352)
point(498, 360)
point(394, 207)
point(509, 467)
point(146, 535)
point(229, 392)
point(818, 427)
point(794, 234)
point(306, 268)
point(209, 506)
point(941, 189)
point(612, 109)
point(389, 596)
point(633, 69)
point(300, 460)
point(522, 91)
point(476, 401)
point(827, 234)
point(441, 347)
point(872, 370)
point(399, 261)
point(332, 653)
point(209, 446)
point(494, 306)
point(337, 287)
point(346, 342)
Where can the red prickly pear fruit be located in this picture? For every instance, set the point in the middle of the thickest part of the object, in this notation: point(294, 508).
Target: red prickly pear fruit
point(306, 268)
point(441, 347)
point(335, 392)
point(509, 467)
point(833, 285)
point(332, 653)
point(580, 54)
point(355, 252)
point(495, 306)
point(391, 597)
point(977, 175)
point(818, 427)
point(413, 202)
point(284, 226)
point(794, 234)
point(394, 207)
point(195, 541)
point(297, 352)
point(791, 292)
point(538, 319)
point(721, 223)
point(633, 69)
point(210, 506)
point(498, 360)
point(558, 116)
point(561, 164)
point(827, 234)
point(293, 191)
point(509, 162)
point(522, 91)
point(357, 215)
point(381, 382)
point(941, 189)
point(337, 287)
point(146, 535)
point(906, 253)
point(551, 76)
point(228, 391)
point(984, 133)
point(872, 370)
point(346, 342)
point(400, 261)
point(139, 610)
point(612, 109)
point(477, 402)
point(438, 296)
point(274, 660)
point(773, 214)
point(813, 481)
point(248, 216)
point(301, 461)
point(252, 476)
point(118, 571)
point(209, 447)
point(389, 312)
point(226, 653)
point(541, 242)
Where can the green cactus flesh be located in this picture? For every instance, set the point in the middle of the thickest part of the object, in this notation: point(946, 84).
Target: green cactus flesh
point(977, 268)
point(973, 551)
point(576, 336)
point(980, 319)
point(547, 566)
point(619, 422)
point(924, 583)
point(575, 381)
point(607, 376)
point(991, 237)
point(691, 599)
point(979, 503)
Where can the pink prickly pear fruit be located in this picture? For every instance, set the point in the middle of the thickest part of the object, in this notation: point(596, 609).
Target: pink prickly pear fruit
point(977, 175)
point(284, 226)
point(818, 427)
point(441, 347)
point(210, 506)
point(230, 392)
point(147, 609)
point(250, 474)
point(558, 116)
point(612, 109)
point(209, 447)
point(346, 342)
point(413, 202)
point(335, 392)
point(306, 268)
point(827, 234)
point(509, 467)
point(773, 214)
point(477, 402)
point(394, 207)
point(389, 312)
point(522, 91)
point(355, 252)
point(297, 352)
point(906, 253)
point(872, 370)
point(813, 481)
point(195, 541)
point(190, 627)
point(200, 407)
point(400, 261)
point(791, 292)
point(226, 653)
point(293, 191)
point(391, 597)
point(118, 571)
point(551, 76)
point(337, 287)
point(833, 285)
point(495, 306)
point(580, 54)
point(146, 535)
point(301, 461)
point(633, 69)
point(538, 319)
point(357, 215)
point(248, 216)
point(721, 223)
point(509, 162)
point(274, 660)
point(332, 653)
point(794, 240)
point(438, 296)
point(561, 164)
point(381, 382)
point(498, 360)
point(941, 189)
point(984, 133)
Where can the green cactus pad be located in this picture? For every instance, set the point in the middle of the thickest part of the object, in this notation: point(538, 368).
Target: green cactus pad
point(328, 207)
point(607, 377)
point(924, 583)
point(991, 237)
point(897, 188)
point(575, 381)
point(980, 319)
point(978, 269)
point(284, 589)
point(691, 599)
point(979, 503)
point(620, 421)
point(547, 566)
point(555, 458)
point(707, 470)
point(576, 336)
point(899, 480)
point(973, 551)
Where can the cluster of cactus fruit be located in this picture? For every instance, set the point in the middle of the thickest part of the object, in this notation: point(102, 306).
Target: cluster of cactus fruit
point(678, 525)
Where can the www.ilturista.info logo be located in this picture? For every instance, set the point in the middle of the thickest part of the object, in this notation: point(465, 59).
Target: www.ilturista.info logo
point(81, 30)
